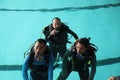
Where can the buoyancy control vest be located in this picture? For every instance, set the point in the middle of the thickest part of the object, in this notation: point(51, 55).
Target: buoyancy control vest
point(40, 68)
point(61, 36)
point(84, 61)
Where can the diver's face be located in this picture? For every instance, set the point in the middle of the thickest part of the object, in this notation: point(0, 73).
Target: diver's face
point(56, 23)
point(39, 48)
point(81, 49)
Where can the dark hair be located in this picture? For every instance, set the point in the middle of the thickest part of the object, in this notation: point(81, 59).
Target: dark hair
point(56, 18)
point(84, 41)
point(41, 41)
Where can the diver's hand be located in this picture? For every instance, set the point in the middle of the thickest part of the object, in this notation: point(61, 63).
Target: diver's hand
point(53, 32)
point(111, 78)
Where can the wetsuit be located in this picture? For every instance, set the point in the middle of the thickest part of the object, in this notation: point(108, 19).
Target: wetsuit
point(59, 40)
point(38, 70)
point(80, 63)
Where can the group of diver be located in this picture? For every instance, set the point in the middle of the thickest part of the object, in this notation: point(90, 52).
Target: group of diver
point(40, 62)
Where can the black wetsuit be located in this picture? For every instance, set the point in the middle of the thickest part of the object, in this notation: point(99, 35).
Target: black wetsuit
point(59, 40)
point(80, 63)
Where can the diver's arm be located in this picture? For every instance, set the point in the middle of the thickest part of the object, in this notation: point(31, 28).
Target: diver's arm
point(46, 32)
point(72, 33)
point(93, 68)
point(50, 67)
point(25, 67)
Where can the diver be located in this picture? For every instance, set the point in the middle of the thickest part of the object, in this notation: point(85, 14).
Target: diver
point(79, 58)
point(38, 64)
point(56, 34)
